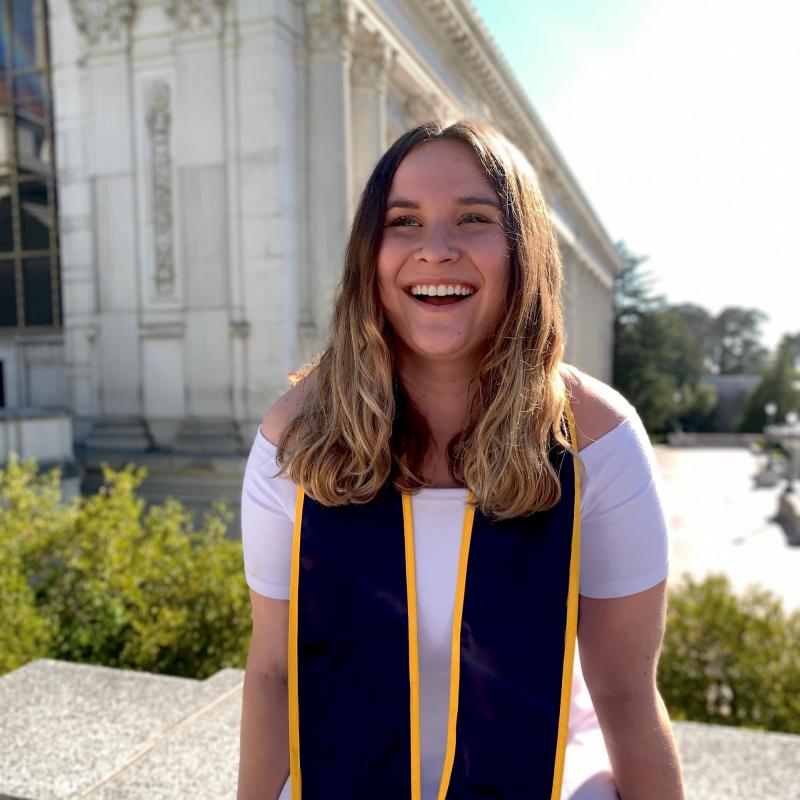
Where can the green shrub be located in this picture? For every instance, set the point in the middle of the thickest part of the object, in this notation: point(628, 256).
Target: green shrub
point(101, 580)
point(731, 660)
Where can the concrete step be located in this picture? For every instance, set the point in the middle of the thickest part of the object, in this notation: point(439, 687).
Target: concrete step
point(128, 434)
point(74, 730)
point(92, 733)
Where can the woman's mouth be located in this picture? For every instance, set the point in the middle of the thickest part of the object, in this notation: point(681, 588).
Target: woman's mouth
point(436, 295)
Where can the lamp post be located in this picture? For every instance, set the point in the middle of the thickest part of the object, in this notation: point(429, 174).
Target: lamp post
point(770, 409)
point(677, 399)
point(793, 445)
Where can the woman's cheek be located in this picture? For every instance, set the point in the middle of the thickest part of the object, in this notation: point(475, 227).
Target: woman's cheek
point(393, 251)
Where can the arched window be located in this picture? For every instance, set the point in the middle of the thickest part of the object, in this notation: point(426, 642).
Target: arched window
point(29, 270)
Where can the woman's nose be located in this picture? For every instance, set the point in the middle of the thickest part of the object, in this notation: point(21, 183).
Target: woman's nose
point(436, 245)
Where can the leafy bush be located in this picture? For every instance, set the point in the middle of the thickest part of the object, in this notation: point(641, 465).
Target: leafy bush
point(103, 580)
point(731, 660)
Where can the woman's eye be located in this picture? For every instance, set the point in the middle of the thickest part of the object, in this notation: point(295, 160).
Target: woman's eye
point(403, 221)
point(474, 218)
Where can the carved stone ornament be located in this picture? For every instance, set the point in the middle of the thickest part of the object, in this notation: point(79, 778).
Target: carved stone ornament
point(104, 23)
point(195, 15)
point(371, 56)
point(159, 122)
point(330, 24)
point(419, 109)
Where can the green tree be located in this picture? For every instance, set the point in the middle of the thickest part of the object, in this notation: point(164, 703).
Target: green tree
point(735, 341)
point(731, 341)
point(658, 360)
point(779, 385)
point(633, 288)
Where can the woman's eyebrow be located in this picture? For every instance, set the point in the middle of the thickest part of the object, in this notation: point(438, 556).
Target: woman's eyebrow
point(478, 201)
point(402, 202)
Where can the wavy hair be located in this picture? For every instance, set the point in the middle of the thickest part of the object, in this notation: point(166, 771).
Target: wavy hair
point(357, 429)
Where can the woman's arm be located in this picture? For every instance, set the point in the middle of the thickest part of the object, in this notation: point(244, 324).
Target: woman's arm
point(266, 536)
point(620, 640)
point(624, 543)
point(264, 734)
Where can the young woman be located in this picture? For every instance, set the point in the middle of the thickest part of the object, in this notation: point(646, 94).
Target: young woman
point(436, 510)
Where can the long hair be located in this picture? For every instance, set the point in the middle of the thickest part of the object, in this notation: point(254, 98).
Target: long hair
point(357, 427)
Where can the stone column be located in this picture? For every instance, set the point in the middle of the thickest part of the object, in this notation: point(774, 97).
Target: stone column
point(104, 26)
point(202, 224)
point(368, 71)
point(268, 192)
point(568, 300)
point(329, 33)
point(75, 224)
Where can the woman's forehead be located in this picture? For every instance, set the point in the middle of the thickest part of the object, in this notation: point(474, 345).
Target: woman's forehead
point(440, 168)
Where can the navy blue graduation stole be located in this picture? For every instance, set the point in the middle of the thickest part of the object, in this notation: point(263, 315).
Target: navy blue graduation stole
point(353, 661)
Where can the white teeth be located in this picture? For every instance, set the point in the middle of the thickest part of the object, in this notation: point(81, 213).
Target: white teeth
point(441, 290)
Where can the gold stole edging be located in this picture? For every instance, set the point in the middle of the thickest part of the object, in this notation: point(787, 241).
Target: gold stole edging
point(294, 700)
point(571, 630)
point(455, 652)
point(413, 648)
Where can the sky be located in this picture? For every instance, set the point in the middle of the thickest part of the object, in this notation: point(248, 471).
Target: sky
point(680, 119)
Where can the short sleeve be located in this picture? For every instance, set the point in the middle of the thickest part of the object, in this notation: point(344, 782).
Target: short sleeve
point(267, 522)
point(624, 532)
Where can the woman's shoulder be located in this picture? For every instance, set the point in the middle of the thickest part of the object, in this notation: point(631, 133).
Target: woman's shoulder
point(597, 407)
point(283, 410)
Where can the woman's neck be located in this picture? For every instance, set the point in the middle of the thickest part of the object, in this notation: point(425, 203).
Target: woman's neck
point(441, 391)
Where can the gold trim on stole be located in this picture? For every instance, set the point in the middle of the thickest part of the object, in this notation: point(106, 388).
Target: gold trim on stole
point(455, 652)
point(572, 619)
point(294, 700)
point(413, 648)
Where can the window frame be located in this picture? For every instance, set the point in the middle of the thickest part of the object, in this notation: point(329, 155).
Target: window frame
point(9, 76)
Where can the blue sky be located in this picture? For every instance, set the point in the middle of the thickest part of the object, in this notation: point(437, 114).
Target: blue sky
point(681, 121)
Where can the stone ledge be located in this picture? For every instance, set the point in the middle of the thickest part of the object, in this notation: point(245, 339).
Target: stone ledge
point(95, 733)
point(789, 515)
point(72, 729)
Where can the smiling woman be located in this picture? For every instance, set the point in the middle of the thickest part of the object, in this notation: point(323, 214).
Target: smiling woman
point(444, 227)
point(458, 206)
point(418, 521)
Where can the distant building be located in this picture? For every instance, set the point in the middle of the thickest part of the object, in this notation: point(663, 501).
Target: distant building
point(178, 180)
point(732, 391)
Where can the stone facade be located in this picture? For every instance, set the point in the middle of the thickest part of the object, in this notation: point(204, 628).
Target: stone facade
point(210, 155)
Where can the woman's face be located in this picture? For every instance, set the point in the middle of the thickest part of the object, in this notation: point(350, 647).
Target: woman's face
point(443, 228)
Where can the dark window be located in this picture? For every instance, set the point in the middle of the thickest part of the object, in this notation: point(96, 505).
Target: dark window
point(29, 266)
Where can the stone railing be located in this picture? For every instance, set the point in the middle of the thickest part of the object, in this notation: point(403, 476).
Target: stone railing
point(44, 434)
point(684, 439)
point(81, 731)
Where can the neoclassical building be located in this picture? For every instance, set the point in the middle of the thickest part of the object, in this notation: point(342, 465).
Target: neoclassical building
point(179, 180)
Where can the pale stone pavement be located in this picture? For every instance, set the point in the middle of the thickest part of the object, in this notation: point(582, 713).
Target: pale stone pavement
point(720, 523)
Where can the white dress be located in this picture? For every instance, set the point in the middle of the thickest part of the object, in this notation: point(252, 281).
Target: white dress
point(623, 551)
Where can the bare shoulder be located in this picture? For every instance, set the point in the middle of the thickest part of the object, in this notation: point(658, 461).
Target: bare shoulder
point(282, 411)
point(597, 407)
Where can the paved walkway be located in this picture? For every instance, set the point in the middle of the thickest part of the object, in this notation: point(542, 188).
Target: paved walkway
point(720, 523)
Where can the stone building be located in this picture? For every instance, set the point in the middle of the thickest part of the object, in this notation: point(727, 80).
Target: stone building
point(178, 181)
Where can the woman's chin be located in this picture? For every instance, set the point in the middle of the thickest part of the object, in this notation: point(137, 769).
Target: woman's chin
point(442, 349)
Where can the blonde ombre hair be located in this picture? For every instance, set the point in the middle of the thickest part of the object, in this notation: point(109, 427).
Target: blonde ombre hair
point(357, 430)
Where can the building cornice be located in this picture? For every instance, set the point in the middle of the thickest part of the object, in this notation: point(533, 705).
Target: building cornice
point(460, 21)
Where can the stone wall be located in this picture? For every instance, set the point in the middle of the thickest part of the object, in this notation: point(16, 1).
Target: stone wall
point(210, 156)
